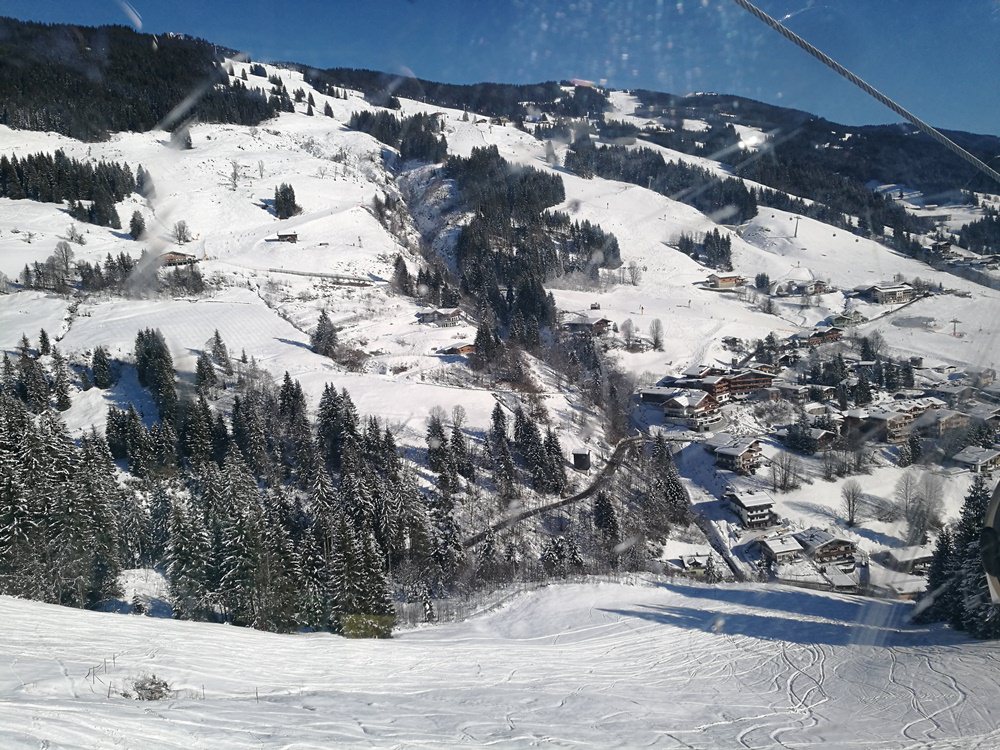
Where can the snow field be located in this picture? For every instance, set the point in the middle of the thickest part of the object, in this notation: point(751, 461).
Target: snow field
point(665, 665)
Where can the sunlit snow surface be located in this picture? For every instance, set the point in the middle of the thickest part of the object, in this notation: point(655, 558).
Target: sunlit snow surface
point(588, 665)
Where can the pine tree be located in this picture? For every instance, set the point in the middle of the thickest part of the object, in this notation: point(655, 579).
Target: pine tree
point(486, 346)
point(460, 454)
point(930, 607)
point(964, 559)
point(324, 338)
point(915, 446)
point(189, 561)
point(197, 432)
point(445, 545)
point(101, 368)
point(328, 110)
point(136, 226)
point(976, 612)
point(44, 347)
point(33, 386)
point(204, 375)
point(437, 445)
point(221, 440)
point(60, 381)
point(240, 540)
point(284, 201)
point(555, 462)
point(712, 572)
point(862, 391)
point(220, 353)
point(606, 520)
point(402, 282)
point(8, 378)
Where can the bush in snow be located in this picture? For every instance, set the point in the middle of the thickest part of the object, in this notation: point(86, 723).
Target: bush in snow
point(148, 688)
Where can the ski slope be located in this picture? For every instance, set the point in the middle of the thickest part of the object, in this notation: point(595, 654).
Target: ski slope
point(592, 665)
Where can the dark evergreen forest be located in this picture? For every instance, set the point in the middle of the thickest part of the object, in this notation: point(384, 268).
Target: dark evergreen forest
point(417, 137)
point(510, 247)
point(262, 516)
point(983, 235)
point(88, 82)
point(493, 99)
point(727, 200)
point(56, 178)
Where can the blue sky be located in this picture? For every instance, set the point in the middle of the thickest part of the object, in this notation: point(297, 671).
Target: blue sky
point(937, 59)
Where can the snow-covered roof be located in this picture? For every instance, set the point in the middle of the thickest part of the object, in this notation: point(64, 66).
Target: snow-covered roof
point(752, 498)
point(798, 571)
point(737, 447)
point(976, 455)
point(812, 539)
point(980, 410)
point(911, 554)
point(658, 390)
point(907, 586)
point(695, 371)
point(687, 396)
point(781, 544)
point(793, 387)
point(580, 319)
point(818, 433)
point(933, 416)
point(695, 560)
point(838, 578)
point(884, 415)
point(719, 440)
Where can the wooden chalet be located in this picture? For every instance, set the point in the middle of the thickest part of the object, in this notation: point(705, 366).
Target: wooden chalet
point(891, 294)
point(914, 560)
point(935, 423)
point(823, 548)
point(984, 413)
point(755, 508)
point(780, 549)
point(463, 347)
point(793, 392)
point(703, 371)
point(595, 326)
point(725, 280)
point(695, 408)
point(742, 456)
point(886, 426)
point(847, 320)
point(174, 258)
point(716, 385)
point(978, 459)
point(443, 317)
point(748, 381)
point(824, 336)
point(953, 392)
point(695, 565)
point(292, 237)
point(796, 287)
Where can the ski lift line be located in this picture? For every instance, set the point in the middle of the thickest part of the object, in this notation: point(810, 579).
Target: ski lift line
point(922, 126)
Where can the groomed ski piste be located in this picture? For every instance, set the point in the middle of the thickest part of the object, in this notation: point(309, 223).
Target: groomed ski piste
point(660, 664)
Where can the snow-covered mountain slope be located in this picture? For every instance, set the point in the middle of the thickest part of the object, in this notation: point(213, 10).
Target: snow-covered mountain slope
point(265, 301)
point(336, 173)
point(609, 665)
